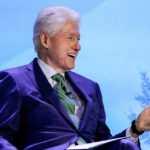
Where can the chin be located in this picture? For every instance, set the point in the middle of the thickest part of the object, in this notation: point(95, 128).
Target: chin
point(70, 68)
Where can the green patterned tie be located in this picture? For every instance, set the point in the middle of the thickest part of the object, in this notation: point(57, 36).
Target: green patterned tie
point(66, 98)
point(64, 93)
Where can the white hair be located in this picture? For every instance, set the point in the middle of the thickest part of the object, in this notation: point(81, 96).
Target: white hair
point(51, 19)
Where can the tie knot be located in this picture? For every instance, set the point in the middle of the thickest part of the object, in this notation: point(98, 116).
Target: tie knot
point(58, 77)
point(62, 84)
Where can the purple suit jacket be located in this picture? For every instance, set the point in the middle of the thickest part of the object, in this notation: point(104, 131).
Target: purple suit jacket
point(32, 116)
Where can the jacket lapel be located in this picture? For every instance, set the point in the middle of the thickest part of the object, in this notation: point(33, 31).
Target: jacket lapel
point(76, 83)
point(40, 81)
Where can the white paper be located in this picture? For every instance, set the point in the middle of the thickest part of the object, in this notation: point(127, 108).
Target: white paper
point(94, 144)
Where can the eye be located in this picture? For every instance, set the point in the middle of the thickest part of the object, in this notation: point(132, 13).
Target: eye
point(70, 37)
point(73, 38)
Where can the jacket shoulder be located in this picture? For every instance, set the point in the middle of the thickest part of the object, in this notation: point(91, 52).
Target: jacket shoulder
point(81, 78)
point(16, 71)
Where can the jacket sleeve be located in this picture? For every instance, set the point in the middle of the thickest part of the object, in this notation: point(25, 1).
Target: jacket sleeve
point(10, 102)
point(102, 131)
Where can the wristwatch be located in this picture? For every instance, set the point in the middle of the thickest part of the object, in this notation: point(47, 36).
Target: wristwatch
point(134, 129)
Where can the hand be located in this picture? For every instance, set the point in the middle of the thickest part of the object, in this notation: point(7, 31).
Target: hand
point(142, 122)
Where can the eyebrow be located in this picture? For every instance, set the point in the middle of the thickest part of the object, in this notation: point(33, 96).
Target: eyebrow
point(73, 34)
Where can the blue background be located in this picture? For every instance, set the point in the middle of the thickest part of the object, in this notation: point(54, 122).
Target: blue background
point(115, 39)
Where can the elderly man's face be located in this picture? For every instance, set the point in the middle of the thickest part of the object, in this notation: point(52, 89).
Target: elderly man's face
point(63, 47)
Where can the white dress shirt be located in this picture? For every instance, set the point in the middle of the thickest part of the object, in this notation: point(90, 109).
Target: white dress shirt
point(79, 104)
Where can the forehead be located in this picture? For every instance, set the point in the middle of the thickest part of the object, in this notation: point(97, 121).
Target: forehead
point(70, 27)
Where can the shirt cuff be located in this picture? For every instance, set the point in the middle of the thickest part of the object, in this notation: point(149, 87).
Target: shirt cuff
point(130, 136)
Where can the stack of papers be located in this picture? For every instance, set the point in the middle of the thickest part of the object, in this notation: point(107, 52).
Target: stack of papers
point(94, 144)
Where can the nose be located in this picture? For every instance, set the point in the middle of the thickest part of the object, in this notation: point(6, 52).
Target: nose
point(77, 45)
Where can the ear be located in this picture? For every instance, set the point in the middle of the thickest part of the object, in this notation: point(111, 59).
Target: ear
point(45, 39)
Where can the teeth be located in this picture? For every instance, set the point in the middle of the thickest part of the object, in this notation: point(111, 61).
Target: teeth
point(71, 55)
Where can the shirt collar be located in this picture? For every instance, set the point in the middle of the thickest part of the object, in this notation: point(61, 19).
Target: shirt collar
point(47, 70)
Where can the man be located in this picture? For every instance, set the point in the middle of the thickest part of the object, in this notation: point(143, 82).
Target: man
point(43, 105)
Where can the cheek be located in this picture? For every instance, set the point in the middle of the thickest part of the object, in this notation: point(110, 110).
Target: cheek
point(60, 57)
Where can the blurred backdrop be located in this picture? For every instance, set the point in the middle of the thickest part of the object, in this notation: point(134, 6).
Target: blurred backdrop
point(115, 38)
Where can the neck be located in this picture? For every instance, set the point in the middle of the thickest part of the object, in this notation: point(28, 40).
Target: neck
point(48, 62)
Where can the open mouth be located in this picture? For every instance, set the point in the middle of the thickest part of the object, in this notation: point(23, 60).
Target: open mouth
point(71, 55)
